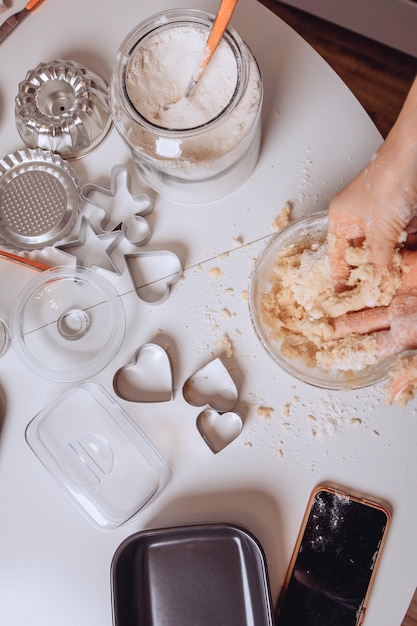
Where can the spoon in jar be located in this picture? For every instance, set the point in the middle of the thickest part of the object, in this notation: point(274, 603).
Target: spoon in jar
point(217, 31)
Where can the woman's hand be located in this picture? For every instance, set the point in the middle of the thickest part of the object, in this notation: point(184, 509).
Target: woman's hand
point(379, 207)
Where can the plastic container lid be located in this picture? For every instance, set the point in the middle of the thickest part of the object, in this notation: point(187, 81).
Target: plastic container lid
point(95, 451)
point(67, 324)
point(210, 575)
point(4, 337)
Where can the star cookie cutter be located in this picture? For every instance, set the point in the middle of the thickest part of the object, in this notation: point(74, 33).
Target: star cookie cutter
point(88, 248)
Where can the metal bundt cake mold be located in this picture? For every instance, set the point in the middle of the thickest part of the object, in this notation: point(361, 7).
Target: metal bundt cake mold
point(62, 107)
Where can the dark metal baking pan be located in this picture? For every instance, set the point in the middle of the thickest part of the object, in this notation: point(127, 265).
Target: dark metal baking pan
point(208, 575)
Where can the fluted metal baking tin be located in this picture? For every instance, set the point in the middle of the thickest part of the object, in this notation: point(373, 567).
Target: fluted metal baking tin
point(39, 198)
point(63, 107)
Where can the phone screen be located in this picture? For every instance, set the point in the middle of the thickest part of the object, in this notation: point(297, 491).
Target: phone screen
point(334, 561)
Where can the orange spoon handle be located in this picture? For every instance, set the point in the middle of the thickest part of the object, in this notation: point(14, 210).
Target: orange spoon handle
point(220, 24)
point(32, 4)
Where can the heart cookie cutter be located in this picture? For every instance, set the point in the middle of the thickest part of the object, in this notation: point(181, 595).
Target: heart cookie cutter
point(147, 378)
point(213, 386)
point(153, 273)
point(219, 429)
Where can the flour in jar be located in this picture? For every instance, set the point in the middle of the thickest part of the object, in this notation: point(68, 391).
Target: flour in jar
point(157, 77)
point(159, 73)
point(197, 148)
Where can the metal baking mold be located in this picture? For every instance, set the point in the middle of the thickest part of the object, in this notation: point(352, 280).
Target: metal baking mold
point(39, 198)
point(147, 378)
point(93, 248)
point(153, 273)
point(207, 575)
point(219, 429)
point(211, 385)
point(63, 107)
point(121, 208)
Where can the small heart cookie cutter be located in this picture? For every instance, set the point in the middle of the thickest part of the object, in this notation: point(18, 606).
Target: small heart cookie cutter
point(219, 429)
point(211, 385)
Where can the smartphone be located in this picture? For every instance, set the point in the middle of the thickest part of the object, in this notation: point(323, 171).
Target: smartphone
point(334, 562)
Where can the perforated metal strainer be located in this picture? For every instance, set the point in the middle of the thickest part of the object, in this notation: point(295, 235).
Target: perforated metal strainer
point(39, 198)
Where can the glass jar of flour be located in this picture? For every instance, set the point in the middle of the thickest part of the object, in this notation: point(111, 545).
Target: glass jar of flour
point(190, 149)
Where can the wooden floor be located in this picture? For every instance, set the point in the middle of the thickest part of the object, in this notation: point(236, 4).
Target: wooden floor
point(411, 617)
point(379, 76)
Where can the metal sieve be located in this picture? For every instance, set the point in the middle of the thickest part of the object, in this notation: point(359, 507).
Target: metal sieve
point(39, 198)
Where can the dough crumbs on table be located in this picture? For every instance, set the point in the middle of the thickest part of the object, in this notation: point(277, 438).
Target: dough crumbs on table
point(225, 313)
point(286, 409)
point(229, 292)
point(197, 269)
point(222, 256)
point(227, 346)
point(355, 421)
point(264, 412)
point(244, 294)
point(248, 444)
point(215, 272)
point(238, 241)
point(283, 218)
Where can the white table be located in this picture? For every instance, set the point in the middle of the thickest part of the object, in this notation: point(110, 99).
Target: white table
point(54, 565)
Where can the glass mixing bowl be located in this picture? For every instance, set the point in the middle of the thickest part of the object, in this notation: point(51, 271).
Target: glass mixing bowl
point(67, 324)
point(307, 230)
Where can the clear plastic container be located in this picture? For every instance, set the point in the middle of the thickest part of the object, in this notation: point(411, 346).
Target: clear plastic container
point(4, 337)
point(67, 324)
point(97, 453)
point(194, 149)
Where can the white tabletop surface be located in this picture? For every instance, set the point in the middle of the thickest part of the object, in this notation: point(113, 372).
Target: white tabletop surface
point(54, 565)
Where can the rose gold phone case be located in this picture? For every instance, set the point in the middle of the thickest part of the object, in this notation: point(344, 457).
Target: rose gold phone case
point(355, 497)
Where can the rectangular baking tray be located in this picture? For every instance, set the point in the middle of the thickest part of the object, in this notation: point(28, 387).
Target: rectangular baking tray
point(207, 575)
